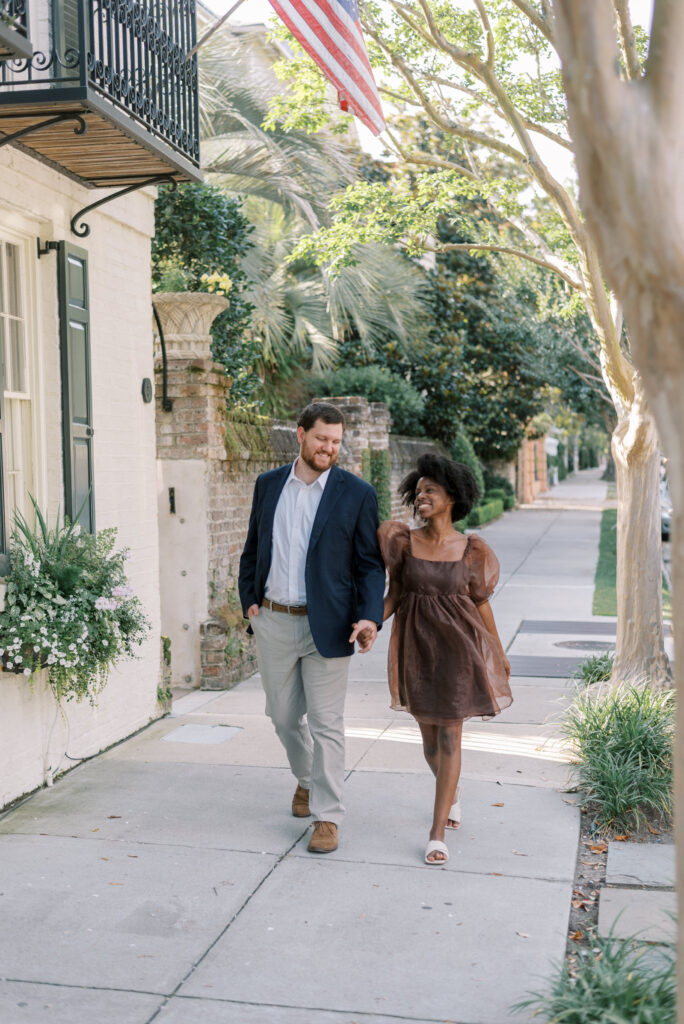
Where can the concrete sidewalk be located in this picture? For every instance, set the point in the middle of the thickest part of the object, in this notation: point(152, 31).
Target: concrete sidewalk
point(166, 880)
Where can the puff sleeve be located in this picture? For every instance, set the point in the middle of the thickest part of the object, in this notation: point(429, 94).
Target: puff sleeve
point(394, 545)
point(483, 570)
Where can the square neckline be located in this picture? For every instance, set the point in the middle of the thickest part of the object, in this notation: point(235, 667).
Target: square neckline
point(438, 561)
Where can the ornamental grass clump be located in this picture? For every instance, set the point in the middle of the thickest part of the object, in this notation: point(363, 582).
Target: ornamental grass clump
point(622, 738)
point(617, 983)
point(68, 607)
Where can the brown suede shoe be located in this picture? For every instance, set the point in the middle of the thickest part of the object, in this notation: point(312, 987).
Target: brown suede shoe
point(300, 803)
point(324, 838)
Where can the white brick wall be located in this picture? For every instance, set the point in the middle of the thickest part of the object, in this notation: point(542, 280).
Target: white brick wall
point(36, 200)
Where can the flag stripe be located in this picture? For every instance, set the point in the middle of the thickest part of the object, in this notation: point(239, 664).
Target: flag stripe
point(348, 29)
point(335, 42)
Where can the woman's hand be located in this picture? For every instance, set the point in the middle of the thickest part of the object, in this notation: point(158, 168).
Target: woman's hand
point(507, 665)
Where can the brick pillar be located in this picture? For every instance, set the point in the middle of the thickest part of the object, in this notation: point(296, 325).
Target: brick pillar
point(357, 418)
point(190, 444)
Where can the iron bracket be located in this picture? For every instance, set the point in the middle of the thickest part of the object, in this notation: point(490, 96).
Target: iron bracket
point(80, 129)
point(83, 230)
point(45, 249)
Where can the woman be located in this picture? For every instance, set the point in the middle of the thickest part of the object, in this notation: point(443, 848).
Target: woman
point(446, 662)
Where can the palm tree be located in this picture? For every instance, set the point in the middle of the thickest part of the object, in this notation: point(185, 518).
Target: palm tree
point(286, 180)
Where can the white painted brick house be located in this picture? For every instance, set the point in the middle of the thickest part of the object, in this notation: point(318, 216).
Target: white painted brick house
point(76, 324)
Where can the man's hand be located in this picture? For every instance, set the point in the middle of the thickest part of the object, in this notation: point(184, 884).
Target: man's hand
point(252, 610)
point(365, 633)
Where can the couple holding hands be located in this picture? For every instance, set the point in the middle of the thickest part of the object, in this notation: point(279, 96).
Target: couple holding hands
point(312, 580)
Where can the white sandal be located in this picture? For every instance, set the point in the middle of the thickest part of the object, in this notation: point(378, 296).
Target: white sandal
point(455, 812)
point(436, 846)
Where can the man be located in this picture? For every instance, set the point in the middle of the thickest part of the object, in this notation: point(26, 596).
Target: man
point(311, 583)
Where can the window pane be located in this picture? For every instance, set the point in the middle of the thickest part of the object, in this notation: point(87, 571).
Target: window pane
point(16, 365)
point(13, 281)
point(19, 468)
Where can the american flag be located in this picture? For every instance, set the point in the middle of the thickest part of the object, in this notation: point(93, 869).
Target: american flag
point(330, 32)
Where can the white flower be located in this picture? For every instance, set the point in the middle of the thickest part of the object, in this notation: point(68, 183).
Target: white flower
point(10, 664)
point(36, 647)
point(27, 671)
point(18, 657)
point(51, 659)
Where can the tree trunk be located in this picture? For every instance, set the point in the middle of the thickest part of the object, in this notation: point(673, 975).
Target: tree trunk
point(640, 651)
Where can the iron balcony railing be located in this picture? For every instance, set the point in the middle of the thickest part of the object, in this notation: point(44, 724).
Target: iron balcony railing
point(130, 53)
point(14, 30)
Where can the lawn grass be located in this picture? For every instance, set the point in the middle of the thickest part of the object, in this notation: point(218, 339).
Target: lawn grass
point(605, 591)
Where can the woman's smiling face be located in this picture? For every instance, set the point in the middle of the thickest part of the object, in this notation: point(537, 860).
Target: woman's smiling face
point(431, 498)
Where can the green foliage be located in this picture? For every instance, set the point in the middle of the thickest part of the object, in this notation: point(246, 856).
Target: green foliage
point(203, 232)
point(164, 694)
point(596, 669)
point(377, 384)
point(623, 743)
point(619, 982)
point(501, 495)
point(381, 478)
point(495, 492)
point(484, 513)
point(366, 465)
point(495, 481)
point(462, 451)
point(68, 607)
point(605, 577)
point(166, 650)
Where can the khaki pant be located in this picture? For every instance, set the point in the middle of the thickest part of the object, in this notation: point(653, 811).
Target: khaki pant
point(305, 695)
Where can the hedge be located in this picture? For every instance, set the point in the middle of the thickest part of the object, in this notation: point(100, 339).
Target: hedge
point(486, 512)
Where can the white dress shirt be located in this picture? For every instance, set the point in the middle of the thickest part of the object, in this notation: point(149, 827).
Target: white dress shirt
point(292, 523)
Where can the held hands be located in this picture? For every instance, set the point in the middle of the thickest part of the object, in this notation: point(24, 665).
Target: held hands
point(365, 633)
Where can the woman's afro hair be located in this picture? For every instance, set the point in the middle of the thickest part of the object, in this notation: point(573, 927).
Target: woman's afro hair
point(457, 480)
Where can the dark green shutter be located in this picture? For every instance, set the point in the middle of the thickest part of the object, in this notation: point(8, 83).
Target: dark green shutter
point(77, 429)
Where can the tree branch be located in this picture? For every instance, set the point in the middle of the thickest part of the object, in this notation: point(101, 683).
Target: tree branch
point(664, 70)
point(597, 384)
point(507, 250)
point(489, 35)
point(486, 102)
point(627, 39)
point(435, 115)
point(427, 160)
point(541, 22)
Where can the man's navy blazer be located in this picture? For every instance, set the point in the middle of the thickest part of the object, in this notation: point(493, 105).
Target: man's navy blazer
point(345, 573)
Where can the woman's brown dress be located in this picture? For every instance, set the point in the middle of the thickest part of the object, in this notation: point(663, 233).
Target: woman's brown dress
point(444, 665)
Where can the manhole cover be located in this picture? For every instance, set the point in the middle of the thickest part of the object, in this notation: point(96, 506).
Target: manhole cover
point(586, 645)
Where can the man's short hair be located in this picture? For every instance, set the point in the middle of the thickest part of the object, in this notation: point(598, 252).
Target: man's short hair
point(319, 411)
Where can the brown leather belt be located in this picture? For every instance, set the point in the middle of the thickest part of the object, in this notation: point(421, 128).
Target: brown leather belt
point(291, 609)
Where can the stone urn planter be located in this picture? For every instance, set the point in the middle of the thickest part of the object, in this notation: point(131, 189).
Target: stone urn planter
point(186, 319)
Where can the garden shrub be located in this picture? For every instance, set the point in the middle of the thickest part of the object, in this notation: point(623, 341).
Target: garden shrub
point(622, 737)
point(381, 480)
point(485, 513)
point(496, 492)
point(378, 384)
point(620, 982)
point(495, 481)
point(462, 451)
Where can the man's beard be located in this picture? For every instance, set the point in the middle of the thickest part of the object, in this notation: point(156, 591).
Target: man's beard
point(309, 459)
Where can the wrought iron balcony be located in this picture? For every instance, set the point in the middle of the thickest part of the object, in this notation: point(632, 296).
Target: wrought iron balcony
point(110, 83)
point(14, 34)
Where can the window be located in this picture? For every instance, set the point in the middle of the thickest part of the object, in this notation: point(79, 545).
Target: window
point(16, 414)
